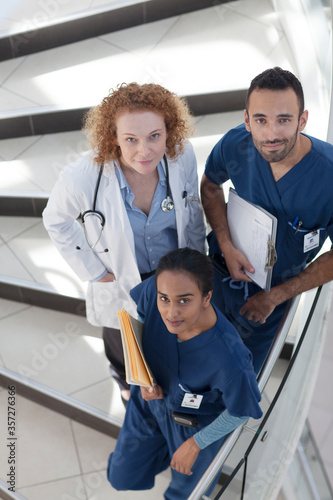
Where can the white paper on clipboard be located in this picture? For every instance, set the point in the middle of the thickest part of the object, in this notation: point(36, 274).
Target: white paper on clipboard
point(253, 231)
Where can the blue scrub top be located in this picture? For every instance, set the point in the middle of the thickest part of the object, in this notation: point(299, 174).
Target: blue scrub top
point(304, 192)
point(215, 364)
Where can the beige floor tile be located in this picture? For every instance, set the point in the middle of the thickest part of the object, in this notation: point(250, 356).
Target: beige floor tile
point(61, 351)
point(104, 396)
point(45, 447)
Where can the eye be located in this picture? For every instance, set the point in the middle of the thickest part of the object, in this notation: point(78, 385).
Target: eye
point(184, 301)
point(130, 139)
point(261, 121)
point(155, 136)
point(164, 299)
point(284, 120)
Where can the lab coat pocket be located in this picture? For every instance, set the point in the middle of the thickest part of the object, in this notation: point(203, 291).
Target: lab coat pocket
point(104, 299)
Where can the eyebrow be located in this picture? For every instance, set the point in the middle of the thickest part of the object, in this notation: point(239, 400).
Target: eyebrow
point(281, 115)
point(178, 296)
point(150, 133)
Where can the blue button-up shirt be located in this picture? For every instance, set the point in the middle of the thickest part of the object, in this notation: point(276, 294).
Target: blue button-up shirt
point(155, 234)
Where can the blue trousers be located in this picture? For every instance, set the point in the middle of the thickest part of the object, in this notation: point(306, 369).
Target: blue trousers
point(148, 439)
point(257, 338)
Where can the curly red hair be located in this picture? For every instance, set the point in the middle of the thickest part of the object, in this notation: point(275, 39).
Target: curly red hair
point(100, 121)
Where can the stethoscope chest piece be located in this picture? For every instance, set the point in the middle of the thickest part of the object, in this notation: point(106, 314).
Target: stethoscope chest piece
point(167, 204)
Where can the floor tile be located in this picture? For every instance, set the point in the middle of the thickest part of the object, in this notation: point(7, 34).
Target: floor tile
point(41, 345)
point(104, 396)
point(93, 448)
point(11, 266)
point(40, 458)
point(12, 227)
point(36, 253)
point(9, 308)
point(12, 148)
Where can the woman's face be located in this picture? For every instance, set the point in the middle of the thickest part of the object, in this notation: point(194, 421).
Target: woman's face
point(141, 136)
point(181, 304)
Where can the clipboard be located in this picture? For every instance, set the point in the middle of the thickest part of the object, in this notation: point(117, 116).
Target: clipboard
point(136, 367)
point(253, 231)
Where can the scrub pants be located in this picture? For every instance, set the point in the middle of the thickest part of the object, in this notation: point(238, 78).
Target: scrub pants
point(147, 441)
point(257, 338)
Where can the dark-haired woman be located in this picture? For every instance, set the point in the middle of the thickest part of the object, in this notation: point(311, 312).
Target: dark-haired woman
point(137, 192)
point(204, 374)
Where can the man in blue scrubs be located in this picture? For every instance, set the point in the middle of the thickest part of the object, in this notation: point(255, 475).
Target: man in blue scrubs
point(273, 164)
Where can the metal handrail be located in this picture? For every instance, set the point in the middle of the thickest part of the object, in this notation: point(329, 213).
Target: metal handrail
point(274, 353)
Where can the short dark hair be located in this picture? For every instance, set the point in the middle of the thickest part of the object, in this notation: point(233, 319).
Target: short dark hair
point(277, 79)
point(193, 263)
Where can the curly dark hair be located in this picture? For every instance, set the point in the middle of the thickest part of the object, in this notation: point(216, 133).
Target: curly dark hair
point(100, 121)
point(277, 79)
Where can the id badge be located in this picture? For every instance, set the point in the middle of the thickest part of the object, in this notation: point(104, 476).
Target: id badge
point(311, 240)
point(192, 400)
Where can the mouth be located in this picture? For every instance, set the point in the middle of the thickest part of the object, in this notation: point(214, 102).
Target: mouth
point(273, 146)
point(145, 163)
point(174, 324)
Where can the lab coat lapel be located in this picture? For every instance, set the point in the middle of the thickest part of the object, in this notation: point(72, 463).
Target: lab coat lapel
point(119, 227)
point(176, 187)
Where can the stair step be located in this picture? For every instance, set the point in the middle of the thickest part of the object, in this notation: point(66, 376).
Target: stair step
point(202, 41)
point(32, 121)
point(81, 26)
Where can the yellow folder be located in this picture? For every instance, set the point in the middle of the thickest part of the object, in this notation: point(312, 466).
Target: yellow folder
point(137, 370)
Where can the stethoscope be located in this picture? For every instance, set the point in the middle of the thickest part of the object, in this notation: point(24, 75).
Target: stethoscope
point(167, 205)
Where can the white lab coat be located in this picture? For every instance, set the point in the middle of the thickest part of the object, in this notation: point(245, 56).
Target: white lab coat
point(73, 194)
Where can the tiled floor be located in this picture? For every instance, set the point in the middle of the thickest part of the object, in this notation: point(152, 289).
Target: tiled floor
point(59, 459)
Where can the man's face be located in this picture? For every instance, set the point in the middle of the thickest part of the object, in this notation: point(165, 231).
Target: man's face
point(274, 122)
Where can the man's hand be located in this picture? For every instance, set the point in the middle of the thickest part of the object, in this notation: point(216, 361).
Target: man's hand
point(236, 263)
point(184, 458)
point(150, 393)
point(258, 307)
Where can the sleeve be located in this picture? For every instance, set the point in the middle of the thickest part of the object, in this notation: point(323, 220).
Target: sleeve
point(220, 427)
point(239, 389)
point(215, 169)
point(142, 294)
point(241, 394)
point(60, 221)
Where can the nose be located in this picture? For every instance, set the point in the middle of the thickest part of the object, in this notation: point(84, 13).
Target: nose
point(271, 132)
point(172, 311)
point(143, 149)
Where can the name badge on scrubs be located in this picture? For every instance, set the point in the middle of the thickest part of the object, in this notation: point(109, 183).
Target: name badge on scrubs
point(311, 240)
point(192, 400)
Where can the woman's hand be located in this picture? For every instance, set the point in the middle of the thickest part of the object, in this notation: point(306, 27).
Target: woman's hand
point(150, 393)
point(108, 278)
point(184, 458)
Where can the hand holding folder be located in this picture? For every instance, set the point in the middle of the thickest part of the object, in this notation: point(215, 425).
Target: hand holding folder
point(137, 370)
point(253, 231)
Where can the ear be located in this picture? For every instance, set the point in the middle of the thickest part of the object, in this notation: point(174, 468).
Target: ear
point(247, 121)
point(303, 120)
point(207, 298)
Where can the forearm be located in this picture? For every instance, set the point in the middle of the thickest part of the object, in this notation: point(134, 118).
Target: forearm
point(220, 427)
point(215, 208)
point(317, 273)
